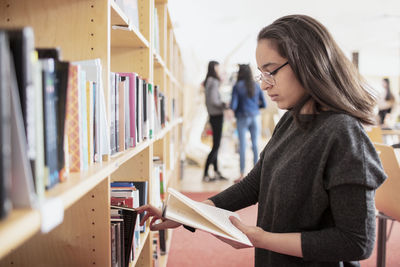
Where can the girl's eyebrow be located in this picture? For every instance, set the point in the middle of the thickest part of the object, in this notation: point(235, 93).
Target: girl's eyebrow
point(266, 65)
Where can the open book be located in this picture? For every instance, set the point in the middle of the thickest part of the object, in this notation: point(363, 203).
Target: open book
point(208, 218)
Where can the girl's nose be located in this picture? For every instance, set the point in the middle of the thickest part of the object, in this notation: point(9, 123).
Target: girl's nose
point(265, 86)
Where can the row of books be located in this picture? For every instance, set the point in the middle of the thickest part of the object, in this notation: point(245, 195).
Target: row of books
point(128, 195)
point(57, 121)
point(137, 111)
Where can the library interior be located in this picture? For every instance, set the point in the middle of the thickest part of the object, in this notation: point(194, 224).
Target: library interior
point(137, 132)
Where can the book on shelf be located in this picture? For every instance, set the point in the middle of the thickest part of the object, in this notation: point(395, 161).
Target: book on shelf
point(73, 121)
point(113, 244)
point(139, 109)
point(22, 45)
point(113, 147)
point(23, 193)
point(132, 80)
point(61, 86)
point(121, 115)
point(5, 131)
point(142, 186)
point(118, 223)
point(127, 112)
point(129, 215)
point(40, 175)
point(50, 121)
point(93, 69)
point(182, 209)
point(125, 194)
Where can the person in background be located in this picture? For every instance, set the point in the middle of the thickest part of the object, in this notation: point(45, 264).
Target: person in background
point(387, 102)
point(316, 178)
point(215, 109)
point(247, 99)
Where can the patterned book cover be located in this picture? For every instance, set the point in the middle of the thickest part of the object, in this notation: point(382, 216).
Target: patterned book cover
point(72, 121)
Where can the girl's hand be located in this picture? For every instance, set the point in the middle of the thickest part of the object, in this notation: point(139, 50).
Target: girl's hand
point(156, 214)
point(254, 233)
point(232, 243)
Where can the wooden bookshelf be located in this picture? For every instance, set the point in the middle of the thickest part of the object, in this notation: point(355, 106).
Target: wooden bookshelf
point(84, 30)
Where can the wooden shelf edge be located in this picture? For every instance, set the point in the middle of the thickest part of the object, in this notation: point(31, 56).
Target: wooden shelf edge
point(126, 155)
point(17, 228)
point(117, 15)
point(127, 37)
point(159, 61)
point(168, 128)
point(79, 184)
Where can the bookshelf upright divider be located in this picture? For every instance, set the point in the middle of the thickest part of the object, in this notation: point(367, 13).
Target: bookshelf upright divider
point(88, 30)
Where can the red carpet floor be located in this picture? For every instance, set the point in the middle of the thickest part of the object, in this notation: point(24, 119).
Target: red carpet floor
point(201, 249)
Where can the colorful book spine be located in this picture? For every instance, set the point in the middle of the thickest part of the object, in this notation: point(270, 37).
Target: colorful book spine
point(72, 120)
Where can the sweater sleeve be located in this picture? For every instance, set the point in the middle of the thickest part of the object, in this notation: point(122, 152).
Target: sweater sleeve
point(243, 194)
point(352, 173)
point(353, 235)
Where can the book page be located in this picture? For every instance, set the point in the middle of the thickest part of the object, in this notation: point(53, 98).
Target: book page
point(218, 217)
point(179, 212)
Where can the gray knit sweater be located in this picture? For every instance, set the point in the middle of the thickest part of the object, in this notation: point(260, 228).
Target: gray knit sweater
point(214, 104)
point(319, 182)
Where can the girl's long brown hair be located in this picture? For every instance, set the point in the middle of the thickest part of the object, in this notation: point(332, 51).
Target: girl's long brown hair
point(329, 78)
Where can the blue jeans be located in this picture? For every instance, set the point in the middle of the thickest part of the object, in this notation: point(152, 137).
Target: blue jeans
point(251, 123)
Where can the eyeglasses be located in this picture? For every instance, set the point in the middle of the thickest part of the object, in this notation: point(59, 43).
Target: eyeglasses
point(268, 77)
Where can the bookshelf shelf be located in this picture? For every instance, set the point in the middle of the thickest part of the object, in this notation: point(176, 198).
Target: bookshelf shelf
point(85, 30)
point(79, 184)
point(158, 61)
point(117, 15)
point(126, 37)
point(19, 227)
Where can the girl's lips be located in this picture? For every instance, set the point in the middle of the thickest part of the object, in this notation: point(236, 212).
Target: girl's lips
point(274, 97)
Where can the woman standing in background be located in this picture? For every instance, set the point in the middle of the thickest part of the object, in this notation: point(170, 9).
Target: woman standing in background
point(387, 102)
point(247, 98)
point(215, 109)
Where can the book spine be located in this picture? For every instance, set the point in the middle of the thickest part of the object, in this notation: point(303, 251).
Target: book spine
point(50, 121)
point(117, 80)
point(5, 131)
point(132, 108)
point(112, 113)
point(72, 120)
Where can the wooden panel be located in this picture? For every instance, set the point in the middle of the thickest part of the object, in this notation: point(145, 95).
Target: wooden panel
point(79, 184)
point(131, 60)
point(145, 258)
point(145, 17)
point(117, 15)
point(160, 78)
point(137, 168)
point(159, 148)
point(125, 37)
point(83, 37)
point(162, 25)
point(19, 226)
point(82, 239)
